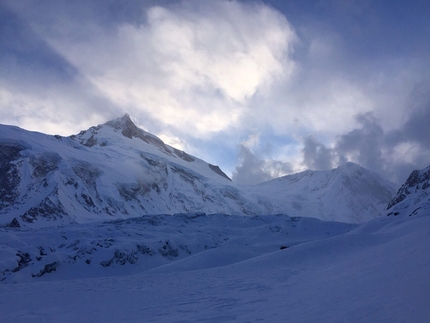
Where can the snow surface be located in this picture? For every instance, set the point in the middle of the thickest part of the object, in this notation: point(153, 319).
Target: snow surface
point(330, 272)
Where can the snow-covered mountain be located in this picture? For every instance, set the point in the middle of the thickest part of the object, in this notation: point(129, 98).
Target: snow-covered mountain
point(349, 191)
point(413, 197)
point(116, 170)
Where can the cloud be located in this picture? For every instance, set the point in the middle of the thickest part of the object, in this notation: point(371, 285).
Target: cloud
point(363, 145)
point(316, 156)
point(253, 170)
point(394, 154)
point(250, 168)
point(39, 89)
point(191, 65)
point(416, 127)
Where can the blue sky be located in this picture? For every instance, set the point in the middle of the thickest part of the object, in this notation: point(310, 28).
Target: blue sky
point(261, 88)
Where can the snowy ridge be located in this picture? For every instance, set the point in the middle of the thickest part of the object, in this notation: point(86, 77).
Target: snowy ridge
point(330, 195)
point(117, 171)
point(413, 197)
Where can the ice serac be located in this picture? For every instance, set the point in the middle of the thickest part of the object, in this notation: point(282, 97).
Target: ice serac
point(413, 197)
point(330, 195)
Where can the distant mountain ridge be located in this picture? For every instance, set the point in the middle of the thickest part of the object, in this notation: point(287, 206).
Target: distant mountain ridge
point(116, 170)
point(348, 189)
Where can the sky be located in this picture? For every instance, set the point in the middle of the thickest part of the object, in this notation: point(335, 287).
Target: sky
point(260, 88)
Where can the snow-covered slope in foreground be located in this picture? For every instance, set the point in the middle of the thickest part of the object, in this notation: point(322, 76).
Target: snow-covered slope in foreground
point(377, 272)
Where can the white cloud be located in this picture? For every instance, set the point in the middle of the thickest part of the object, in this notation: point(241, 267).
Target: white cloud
point(252, 169)
point(56, 110)
point(195, 66)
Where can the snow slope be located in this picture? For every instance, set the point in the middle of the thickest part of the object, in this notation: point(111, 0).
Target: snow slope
point(222, 268)
point(136, 244)
point(349, 191)
point(118, 171)
point(377, 272)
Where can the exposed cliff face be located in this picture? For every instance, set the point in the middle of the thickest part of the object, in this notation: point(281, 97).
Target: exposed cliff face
point(413, 195)
point(9, 174)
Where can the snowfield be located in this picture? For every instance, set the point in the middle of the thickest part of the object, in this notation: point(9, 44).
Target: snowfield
point(230, 269)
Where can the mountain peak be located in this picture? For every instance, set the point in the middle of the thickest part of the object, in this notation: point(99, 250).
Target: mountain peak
point(127, 127)
point(349, 164)
point(126, 116)
point(126, 121)
point(350, 167)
